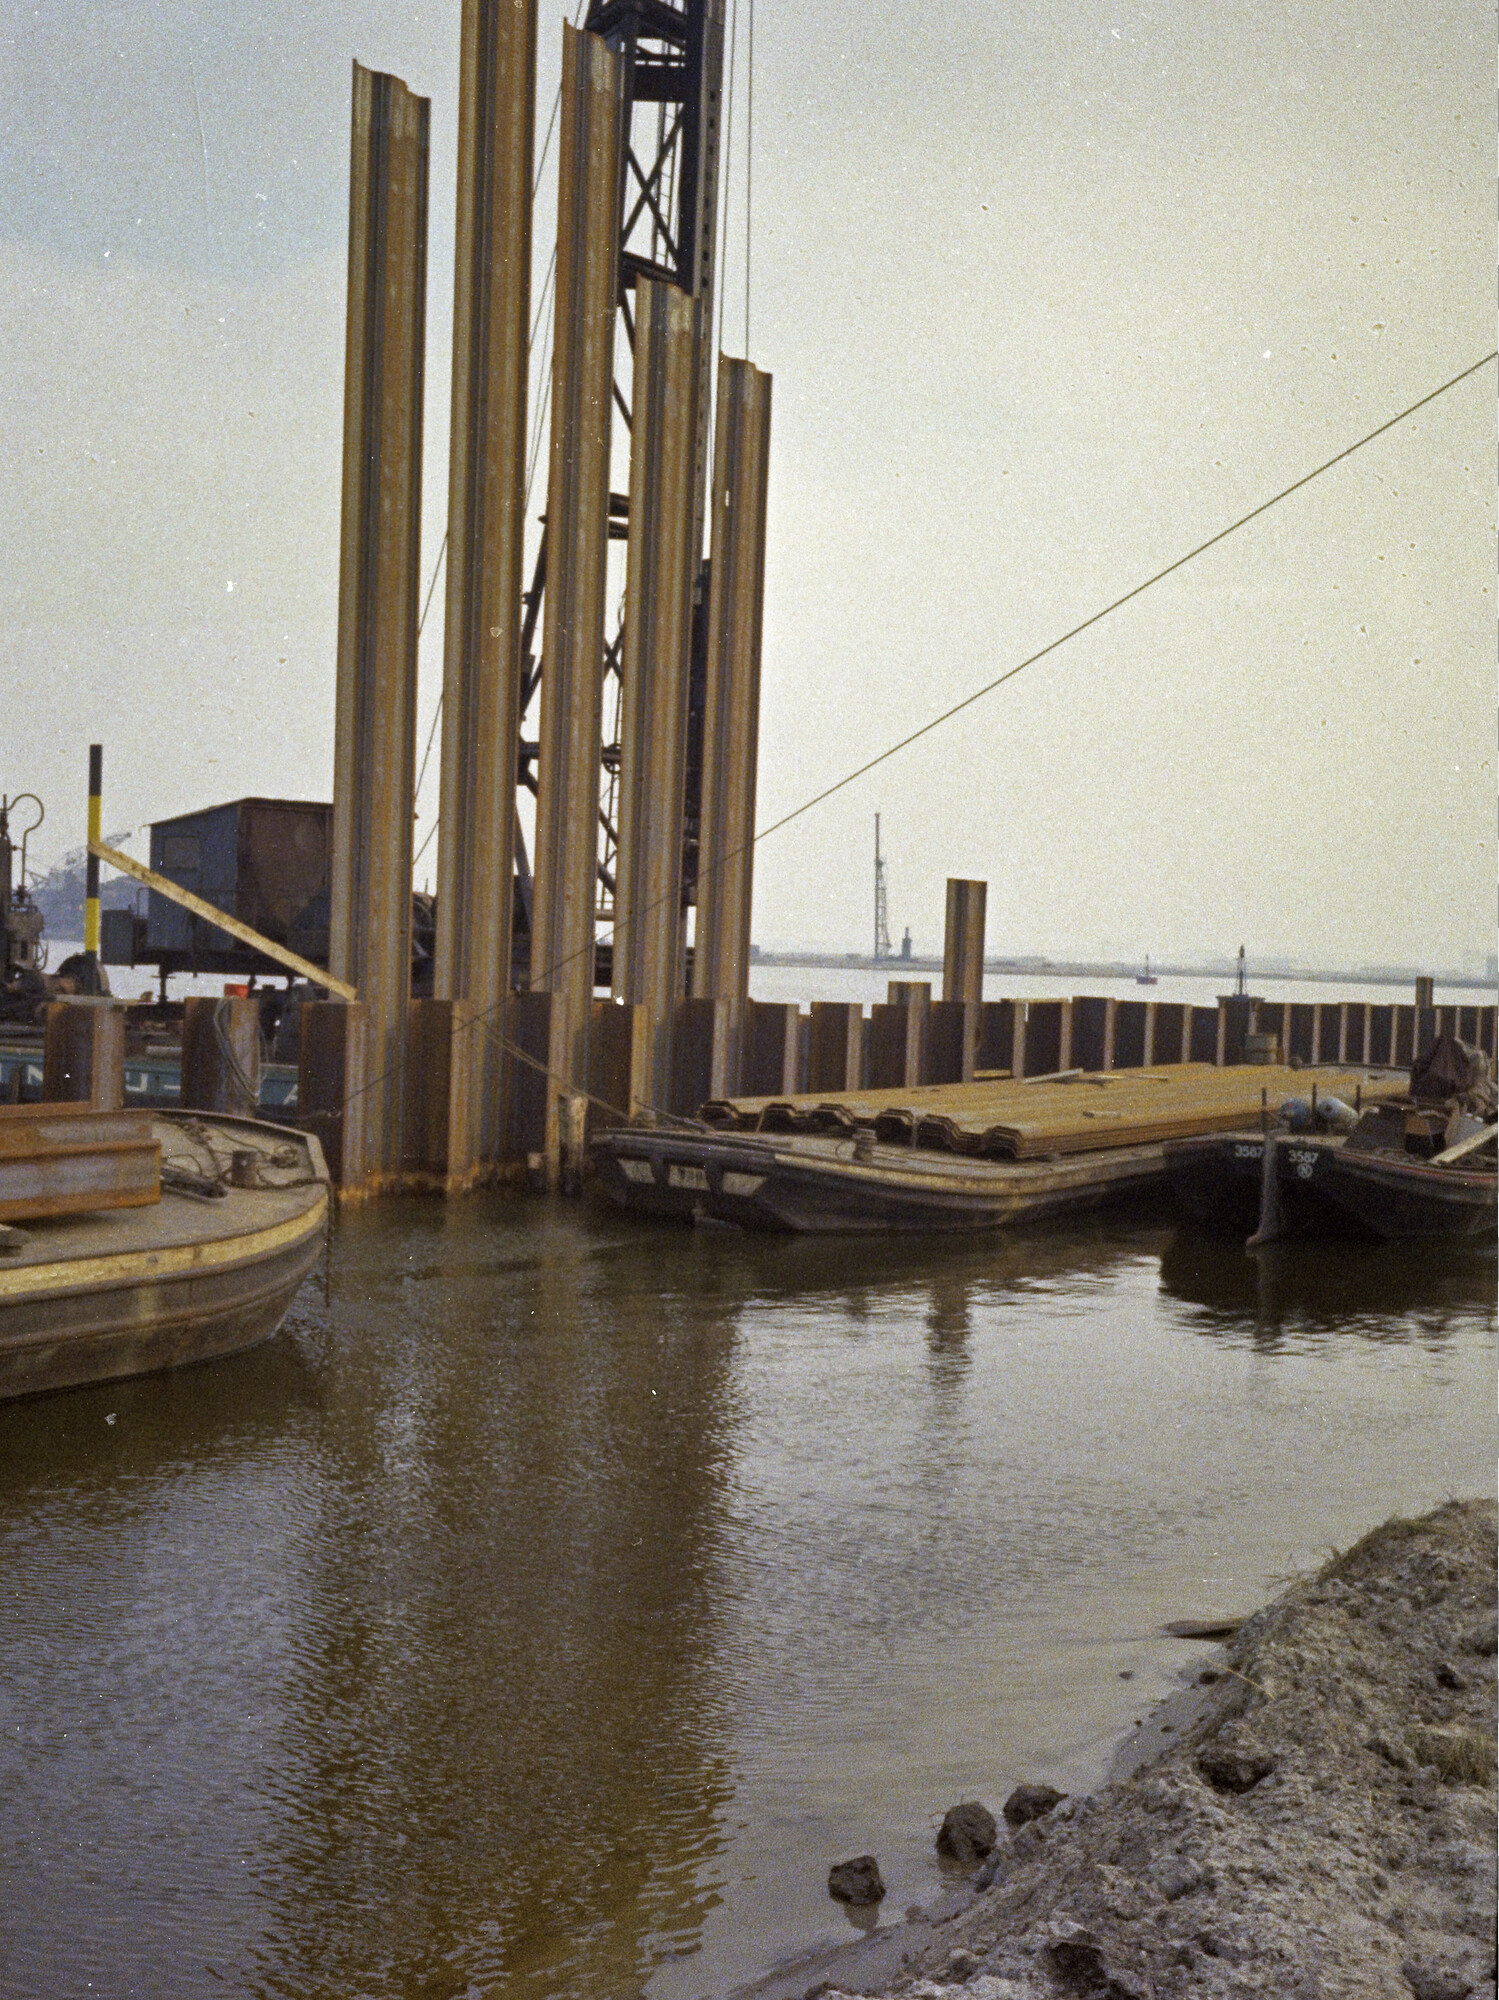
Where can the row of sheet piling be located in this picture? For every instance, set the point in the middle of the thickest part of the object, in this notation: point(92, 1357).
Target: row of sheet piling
point(453, 1120)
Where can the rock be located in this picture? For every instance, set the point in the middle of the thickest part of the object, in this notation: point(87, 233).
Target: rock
point(1231, 1770)
point(1078, 1963)
point(856, 1881)
point(1394, 1753)
point(1482, 1639)
point(1174, 1876)
point(1028, 1802)
point(967, 1833)
point(961, 1962)
point(1430, 1981)
point(1077, 1958)
point(990, 1871)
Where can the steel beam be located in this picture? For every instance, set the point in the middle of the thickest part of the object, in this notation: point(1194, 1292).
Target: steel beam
point(482, 662)
point(731, 718)
point(332, 1071)
point(83, 1053)
point(221, 1056)
point(379, 585)
point(963, 961)
point(660, 573)
point(963, 940)
point(567, 799)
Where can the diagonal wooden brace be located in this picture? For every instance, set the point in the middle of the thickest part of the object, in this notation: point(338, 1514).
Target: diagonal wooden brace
point(210, 913)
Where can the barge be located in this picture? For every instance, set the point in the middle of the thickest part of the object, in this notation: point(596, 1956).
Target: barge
point(211, 1226)
point(961, 1156)
point(821, 1182)
point(1392, 1176)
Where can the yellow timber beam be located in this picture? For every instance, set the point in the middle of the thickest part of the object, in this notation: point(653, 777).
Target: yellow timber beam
point(211, 914)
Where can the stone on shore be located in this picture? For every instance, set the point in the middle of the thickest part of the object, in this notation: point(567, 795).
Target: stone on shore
point(1028, 1802)
point(967, 1833)
point(1319, 1828)
point(856, 1881)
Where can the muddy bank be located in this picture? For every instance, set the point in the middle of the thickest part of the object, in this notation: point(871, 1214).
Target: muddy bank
point(1319, 1822)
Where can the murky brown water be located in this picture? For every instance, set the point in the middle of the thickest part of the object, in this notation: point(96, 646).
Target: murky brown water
point(546, 1609)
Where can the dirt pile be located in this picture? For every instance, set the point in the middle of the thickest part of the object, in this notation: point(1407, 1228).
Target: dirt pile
point(1322, 1830)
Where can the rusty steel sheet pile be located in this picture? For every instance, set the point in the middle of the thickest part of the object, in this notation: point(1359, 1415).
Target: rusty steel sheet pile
point(590, 169)
point(731, 719)
point(1079, 1113)
point(374, 765)
point(662, 565)
point(483, 656)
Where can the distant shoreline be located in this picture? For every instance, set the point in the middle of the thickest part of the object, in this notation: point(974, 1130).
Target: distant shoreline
point(1118, 969)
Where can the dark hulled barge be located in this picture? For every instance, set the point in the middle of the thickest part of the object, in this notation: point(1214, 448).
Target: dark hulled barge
point(962, 1156)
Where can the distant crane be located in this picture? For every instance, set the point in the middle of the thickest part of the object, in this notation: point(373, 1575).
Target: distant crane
point(881, 907)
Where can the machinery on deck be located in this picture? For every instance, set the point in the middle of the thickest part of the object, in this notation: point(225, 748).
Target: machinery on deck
point(23, 969)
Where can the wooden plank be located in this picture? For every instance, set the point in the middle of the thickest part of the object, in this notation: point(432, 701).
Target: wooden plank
point(212, 914)
point(1474, 1143)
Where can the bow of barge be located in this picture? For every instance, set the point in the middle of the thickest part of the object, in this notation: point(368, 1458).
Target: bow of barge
point(207, 1269)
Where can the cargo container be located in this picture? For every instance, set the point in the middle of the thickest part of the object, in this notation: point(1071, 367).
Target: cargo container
point(265, 861)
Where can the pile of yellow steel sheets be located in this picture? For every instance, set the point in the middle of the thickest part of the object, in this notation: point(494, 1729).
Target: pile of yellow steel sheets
point(1080, 1113)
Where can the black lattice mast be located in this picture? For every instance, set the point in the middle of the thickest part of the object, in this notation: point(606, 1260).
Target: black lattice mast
point(673, 55)
point(881, 904)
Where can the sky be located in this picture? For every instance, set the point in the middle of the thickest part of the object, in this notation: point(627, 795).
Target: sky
point(1049, 293)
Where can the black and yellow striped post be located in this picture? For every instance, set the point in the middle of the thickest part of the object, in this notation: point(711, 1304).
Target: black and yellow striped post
point(95, 833)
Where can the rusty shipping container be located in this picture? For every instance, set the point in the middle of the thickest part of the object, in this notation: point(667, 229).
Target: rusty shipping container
point(264, 861)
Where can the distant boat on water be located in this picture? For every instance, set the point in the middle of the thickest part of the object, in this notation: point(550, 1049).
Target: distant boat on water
point(1147, 977)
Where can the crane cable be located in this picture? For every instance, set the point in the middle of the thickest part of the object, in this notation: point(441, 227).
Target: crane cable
point(999, 681)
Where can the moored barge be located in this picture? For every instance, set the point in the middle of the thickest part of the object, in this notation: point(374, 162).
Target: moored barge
point(198, 1263)
point(941, 1156)
point(1391, 1177)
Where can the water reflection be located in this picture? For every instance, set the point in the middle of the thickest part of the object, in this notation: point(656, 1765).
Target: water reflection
point(555, 1599)
point(520, 1615)
point(1295, 1290)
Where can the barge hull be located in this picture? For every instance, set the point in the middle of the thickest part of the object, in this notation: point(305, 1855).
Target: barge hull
point(119, 1292)
point(1216, 1182)
point(97, 1333)
point(1402, 1199)
point(817, 1186)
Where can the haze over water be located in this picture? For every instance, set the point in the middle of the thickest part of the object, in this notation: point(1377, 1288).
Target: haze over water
point(551, 1603)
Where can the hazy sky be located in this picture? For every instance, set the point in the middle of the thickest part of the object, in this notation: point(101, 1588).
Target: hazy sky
point(1049, 293)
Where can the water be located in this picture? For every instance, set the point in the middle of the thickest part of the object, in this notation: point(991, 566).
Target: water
point(866, 984)
point(555, 1599)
